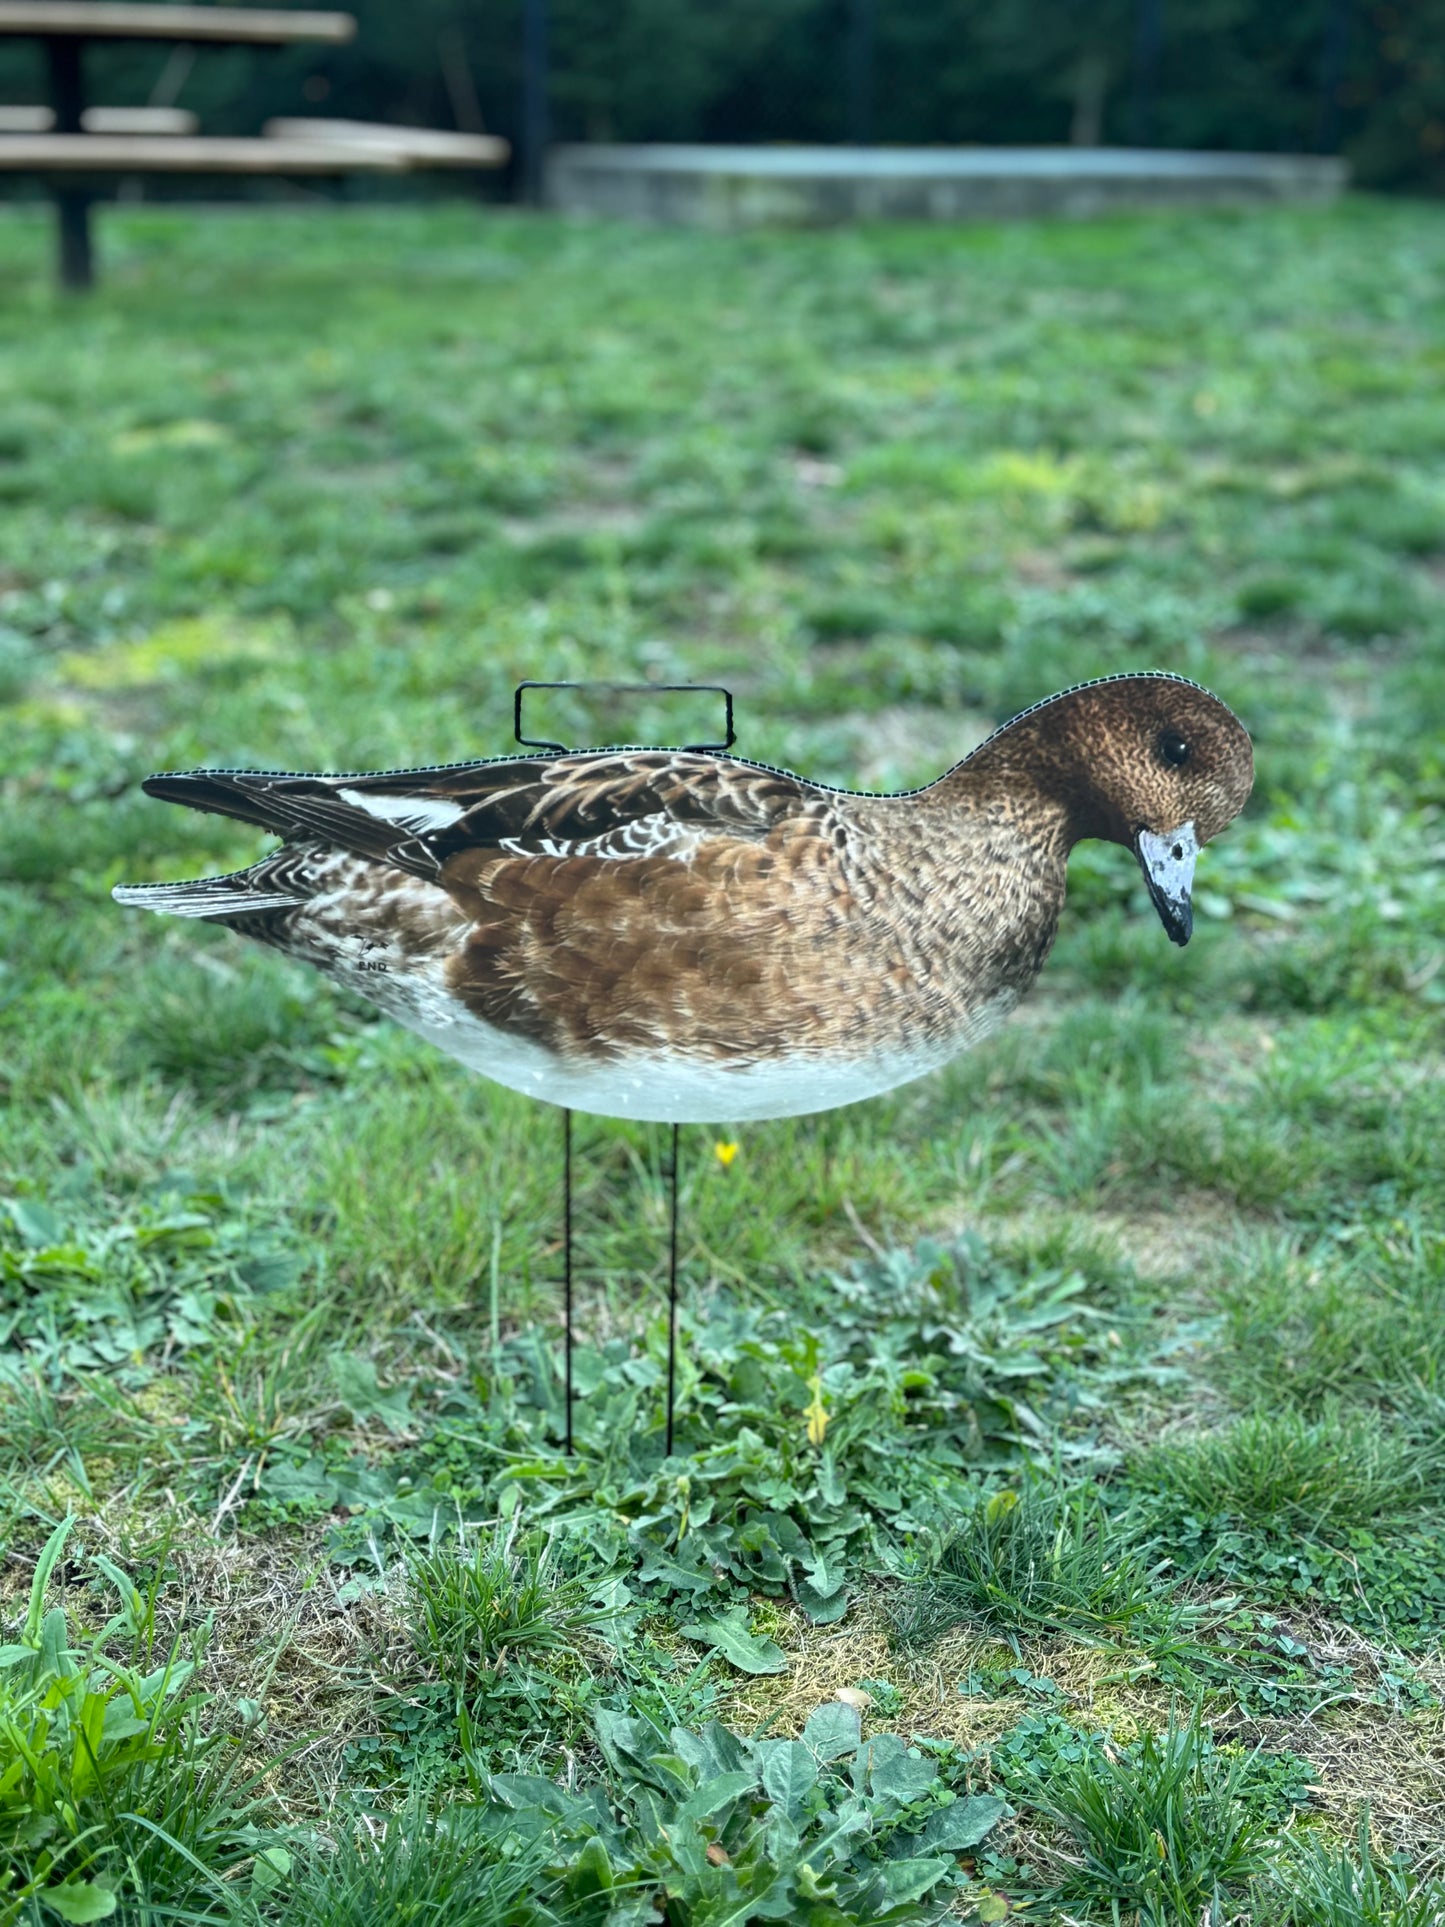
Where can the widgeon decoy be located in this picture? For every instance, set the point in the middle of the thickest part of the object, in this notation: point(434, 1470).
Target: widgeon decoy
point(684, 937)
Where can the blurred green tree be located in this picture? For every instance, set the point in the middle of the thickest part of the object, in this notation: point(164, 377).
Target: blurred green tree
point(1365, 75)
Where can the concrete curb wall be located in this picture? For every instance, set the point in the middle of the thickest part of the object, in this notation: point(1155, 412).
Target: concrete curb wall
point(821, 186)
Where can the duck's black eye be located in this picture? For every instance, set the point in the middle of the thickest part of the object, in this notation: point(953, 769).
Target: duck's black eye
point(1173, 748)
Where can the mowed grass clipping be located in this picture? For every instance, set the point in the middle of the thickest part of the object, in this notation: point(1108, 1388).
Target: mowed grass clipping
point(1055, 1523)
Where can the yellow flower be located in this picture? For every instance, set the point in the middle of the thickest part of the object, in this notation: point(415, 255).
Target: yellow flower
point(725, 1153)
point(815, 1413)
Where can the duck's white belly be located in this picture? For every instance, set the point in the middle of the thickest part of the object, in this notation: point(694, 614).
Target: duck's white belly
point(677, 1090)
point(656, 1086)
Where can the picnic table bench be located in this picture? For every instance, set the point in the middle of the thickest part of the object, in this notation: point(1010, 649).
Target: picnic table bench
point(102, 120)
point(77, 149)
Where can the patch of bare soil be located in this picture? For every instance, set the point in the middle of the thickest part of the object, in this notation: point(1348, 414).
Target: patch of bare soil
point(1113, 1689)
point(269, 1620)
point(576, 518)
point(1040, 569)
point(1364, 1754)
point(910, 741)
point(1375, 1756)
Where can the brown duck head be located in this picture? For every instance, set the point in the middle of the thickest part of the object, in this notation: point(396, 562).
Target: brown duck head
point(1151, 761)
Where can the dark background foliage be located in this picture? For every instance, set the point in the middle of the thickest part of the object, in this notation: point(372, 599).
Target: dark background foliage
point(1367, 76)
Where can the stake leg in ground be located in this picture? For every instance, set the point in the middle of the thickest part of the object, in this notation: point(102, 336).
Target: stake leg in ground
point(672, 1301)
point(567, 1270)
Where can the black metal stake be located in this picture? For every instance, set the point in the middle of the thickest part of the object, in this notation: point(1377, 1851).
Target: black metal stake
point(672, 1301)
point(72, 204)
point(567, 1268)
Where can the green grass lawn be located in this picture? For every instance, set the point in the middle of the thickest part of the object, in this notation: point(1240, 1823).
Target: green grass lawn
point(1076, 1412)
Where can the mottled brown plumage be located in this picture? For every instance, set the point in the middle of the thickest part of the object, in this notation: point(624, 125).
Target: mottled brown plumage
point(655, 931)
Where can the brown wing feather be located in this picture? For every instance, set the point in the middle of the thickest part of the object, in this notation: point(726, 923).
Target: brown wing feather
point(578, 798)
point(709, 950)
point(559, 798)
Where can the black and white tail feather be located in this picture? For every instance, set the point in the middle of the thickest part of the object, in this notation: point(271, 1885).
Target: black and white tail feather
point(221, 899)
point(369, 816)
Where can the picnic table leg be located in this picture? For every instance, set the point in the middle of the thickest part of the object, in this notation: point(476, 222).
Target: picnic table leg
point(535, 133)
point(72, 204)
point(72, 213)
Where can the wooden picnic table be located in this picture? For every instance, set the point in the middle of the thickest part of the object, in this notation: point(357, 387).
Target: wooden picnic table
point(65, 26)
point(122, 20)
point(102, 154)
point(431, 146)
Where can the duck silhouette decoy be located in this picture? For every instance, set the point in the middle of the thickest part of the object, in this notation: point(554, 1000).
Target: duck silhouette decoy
point(685, 936)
